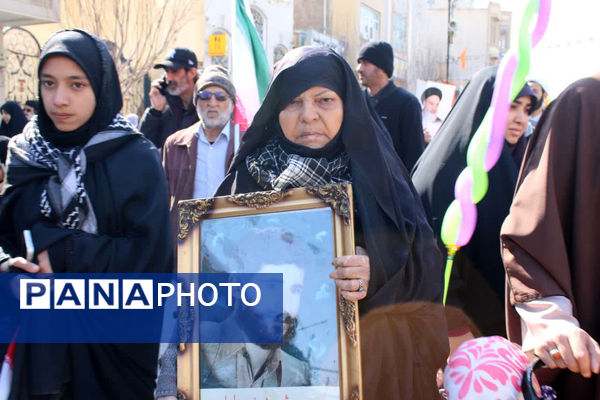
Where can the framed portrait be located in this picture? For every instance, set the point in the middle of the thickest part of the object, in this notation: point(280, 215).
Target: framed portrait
point(297, 233)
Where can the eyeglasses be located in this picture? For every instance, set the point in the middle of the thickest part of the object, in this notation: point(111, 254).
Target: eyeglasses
point(205, 95)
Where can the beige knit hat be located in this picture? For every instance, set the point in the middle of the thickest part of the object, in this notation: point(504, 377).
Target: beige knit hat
point(214, 75)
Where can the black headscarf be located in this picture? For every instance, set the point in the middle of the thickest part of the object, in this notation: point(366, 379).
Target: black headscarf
point(434, 177)
point(17, 119)
point(405, 263)
point(92, 55)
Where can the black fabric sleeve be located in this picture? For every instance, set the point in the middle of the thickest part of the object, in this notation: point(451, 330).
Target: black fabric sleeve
point(151, 125)
point(19, 209)
point(411, 127)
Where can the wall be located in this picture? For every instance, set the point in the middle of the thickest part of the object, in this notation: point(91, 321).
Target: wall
point(477, 31)
point(278, 22)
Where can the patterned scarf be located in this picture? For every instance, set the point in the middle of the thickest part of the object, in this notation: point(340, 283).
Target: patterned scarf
point(274, 168)
point(64, 198)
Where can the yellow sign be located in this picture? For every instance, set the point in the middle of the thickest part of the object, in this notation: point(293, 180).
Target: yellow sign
point(217, 45)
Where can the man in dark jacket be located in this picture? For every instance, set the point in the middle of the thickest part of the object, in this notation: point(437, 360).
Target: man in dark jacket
point(399, 110)
point(171, 97)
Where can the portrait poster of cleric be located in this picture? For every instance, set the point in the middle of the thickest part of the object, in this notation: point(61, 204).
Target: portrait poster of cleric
point(299, 244)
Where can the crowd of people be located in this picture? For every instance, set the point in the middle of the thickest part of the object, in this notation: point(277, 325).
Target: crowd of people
point(100, 193)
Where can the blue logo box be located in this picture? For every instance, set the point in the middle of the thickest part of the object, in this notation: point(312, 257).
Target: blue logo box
point(141, 308)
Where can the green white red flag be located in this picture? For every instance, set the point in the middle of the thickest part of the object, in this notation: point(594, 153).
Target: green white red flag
point(250, 68)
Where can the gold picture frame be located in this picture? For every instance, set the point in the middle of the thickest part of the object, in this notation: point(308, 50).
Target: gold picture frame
point(299, 206)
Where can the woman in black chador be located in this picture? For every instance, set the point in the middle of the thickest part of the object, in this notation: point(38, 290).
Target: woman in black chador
point(477, 282)
point(93, 194)
point(13, 119)
point(314, 128)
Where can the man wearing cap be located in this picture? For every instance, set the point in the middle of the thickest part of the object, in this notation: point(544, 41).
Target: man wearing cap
point(171, 109)
point(196, 158)
point(398, 109)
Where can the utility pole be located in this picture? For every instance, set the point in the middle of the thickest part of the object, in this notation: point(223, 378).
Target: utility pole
point(324, 17)
point(449, 38)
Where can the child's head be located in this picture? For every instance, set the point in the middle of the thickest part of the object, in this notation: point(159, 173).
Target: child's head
point(486, 368)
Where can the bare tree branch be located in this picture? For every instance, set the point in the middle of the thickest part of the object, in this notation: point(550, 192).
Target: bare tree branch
point(137, 32)
point(430, 64)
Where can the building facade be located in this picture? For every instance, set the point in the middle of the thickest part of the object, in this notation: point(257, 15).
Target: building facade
point(19, 49)
point(347, 25)
point(273, 19)
point(479, 38)
point(416, 29)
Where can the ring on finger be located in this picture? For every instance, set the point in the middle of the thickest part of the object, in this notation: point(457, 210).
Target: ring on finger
point(361, 287)
point(555, 354)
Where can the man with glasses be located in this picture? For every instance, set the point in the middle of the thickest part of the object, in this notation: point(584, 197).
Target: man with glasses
point(195, 159)
point(171, 97)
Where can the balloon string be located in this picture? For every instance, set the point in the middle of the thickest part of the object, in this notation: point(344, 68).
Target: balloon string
point(448, 271)
point(487, 143)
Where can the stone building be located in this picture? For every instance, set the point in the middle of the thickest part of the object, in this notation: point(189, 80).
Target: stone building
point(19, 49)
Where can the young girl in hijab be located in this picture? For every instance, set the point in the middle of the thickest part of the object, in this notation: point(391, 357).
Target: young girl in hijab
point(94, 196)
point(477, 285)
point(13, 119)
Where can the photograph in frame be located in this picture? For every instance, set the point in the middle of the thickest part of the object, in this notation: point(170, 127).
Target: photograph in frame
point(298, 234)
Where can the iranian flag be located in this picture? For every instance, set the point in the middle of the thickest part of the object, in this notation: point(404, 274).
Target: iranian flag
point(6, 372)
point(250, 68)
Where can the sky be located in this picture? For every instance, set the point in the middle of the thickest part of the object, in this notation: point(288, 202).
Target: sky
point(570, 48)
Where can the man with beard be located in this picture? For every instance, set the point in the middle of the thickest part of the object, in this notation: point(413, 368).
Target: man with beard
point(252, 365)
point(171, 97)
point(399, 110)
point(431, 98)
point(196, 158)
point(245, 364)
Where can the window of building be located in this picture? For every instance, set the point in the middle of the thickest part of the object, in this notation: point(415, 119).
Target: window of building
point(369, 23)
point(260, 24)
point(504, 39)
point(278, 52)
point(399, 27)
point(399, 32)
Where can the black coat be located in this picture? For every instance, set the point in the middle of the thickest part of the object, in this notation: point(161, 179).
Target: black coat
point(400, 112)
point(130, 198)
point(157, 126)
point(477, 282)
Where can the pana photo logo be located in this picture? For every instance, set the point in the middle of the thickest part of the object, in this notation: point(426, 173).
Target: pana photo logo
point(141, 308)
point(45, 294)
point(126, 294)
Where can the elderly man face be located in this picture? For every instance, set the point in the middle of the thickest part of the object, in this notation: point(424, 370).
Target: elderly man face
point(214, 107)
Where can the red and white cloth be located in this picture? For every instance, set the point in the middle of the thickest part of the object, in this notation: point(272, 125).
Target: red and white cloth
point(7, 372)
